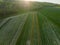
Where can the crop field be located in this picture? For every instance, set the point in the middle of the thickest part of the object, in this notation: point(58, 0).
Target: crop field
point(38, 27)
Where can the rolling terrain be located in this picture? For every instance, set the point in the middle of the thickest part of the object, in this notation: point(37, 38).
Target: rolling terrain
point(37, 26)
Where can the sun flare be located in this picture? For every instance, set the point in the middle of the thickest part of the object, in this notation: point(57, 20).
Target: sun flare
point(26, 3)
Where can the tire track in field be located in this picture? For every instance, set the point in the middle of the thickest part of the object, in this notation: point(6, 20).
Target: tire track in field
point(4, 22)
point(37, 28)
point(19, 31)
point(32, 30)
point(13, 32)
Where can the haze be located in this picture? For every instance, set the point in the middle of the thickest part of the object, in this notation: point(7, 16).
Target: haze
point(52, 1)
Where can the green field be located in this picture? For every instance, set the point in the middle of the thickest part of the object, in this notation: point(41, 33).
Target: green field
point(37, 26)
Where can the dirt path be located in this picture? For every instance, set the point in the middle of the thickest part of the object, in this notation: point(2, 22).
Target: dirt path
point(32, 30)
point(35, 27)
point(38, 30)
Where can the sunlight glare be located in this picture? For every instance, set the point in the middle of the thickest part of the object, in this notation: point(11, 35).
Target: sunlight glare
point(26, 3)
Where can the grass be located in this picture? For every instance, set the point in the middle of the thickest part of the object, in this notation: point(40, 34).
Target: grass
point(35, 27)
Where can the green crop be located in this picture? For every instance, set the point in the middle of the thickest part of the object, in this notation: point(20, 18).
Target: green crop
point(38, 26)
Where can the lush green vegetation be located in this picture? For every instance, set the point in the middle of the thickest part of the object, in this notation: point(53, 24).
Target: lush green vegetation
point(39, 25)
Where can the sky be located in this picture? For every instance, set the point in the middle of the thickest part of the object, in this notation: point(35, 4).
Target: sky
point(52, 1)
